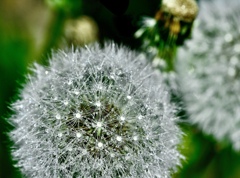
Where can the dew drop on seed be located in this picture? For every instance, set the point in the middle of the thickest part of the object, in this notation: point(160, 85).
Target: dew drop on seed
point(60, 134)
point(99, 124)
point(84, 152)
point(140, 117)
point(99, 86)
point(58, 116)
point(78, 135)
point(78, 115)
point(20, 106)
point(112, 77)
point(135, 138)
point(76, 92)
point(65, 103)
point(100, 144)
point(119, 138)
point(69, 149)
point(98, 103)
point(122, 118)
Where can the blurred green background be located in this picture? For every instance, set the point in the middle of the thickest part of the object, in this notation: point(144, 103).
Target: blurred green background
point(30, 29)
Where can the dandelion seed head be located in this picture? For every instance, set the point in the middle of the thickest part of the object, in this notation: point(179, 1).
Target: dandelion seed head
point(92, 131)
point(212, 58)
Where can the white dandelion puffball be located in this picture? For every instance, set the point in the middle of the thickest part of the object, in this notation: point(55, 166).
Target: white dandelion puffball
point(209, 71)
point(95, 112)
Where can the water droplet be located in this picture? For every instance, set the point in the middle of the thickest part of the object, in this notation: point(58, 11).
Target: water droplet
point(84, 152)
point(69, 148)
point(76, 92)
point(119, 138)
point(46, 72)
point(100, 144)
point(122, 118)
point(127, 157)
point(65, 103)
point(112, 76)
point(58, 116)
point(99, 86)
point(98, 103)
point(19, 106)
point(140, 117)
point(135, 138)
point(60, 134)
point(129, 97)
point(78, 135)
point(99, 124)
point(78, 115)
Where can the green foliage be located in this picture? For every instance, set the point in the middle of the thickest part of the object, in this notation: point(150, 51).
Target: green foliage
point(14, 52)
point(69, 7)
